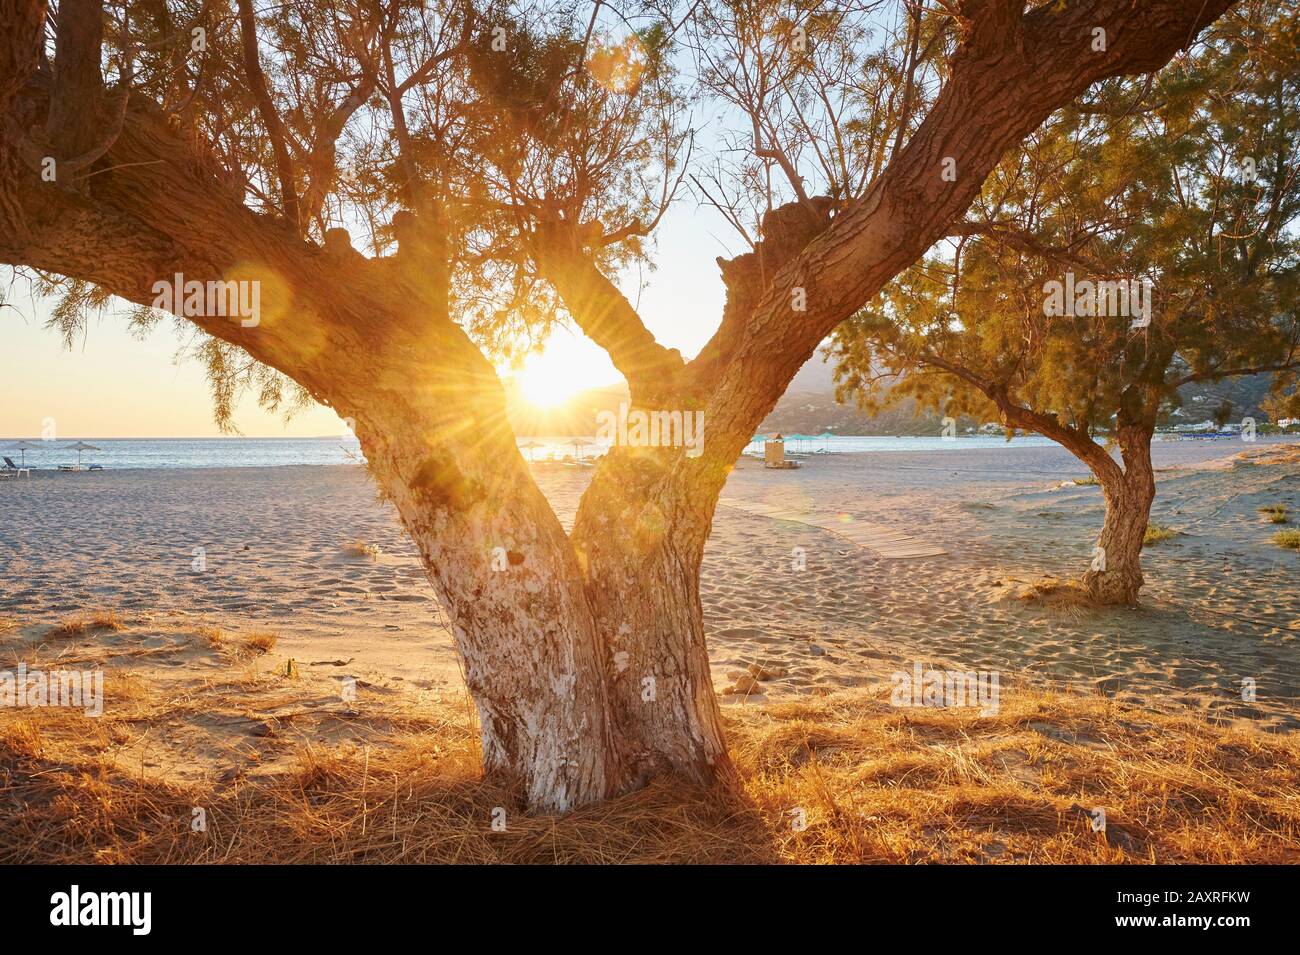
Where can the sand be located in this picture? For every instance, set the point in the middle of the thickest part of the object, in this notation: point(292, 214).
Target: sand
point(792, 585)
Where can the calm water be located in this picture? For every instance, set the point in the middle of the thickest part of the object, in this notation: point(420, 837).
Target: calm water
point(120, 453)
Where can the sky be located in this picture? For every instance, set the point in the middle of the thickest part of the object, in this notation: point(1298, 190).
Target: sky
point(111, 385)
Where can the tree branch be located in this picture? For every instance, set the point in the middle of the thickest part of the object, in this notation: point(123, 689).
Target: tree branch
point(603, 312)
point(266, 109)
point(1217, 374)
point(1025, 242)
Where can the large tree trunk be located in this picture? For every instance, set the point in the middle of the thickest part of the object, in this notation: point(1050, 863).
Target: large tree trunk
point(586, 657)
point(498, 558)
point(512, 589)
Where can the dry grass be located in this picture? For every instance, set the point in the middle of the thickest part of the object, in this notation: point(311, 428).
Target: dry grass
point(76, 626)
point(868, 783)
point(1270, 454)
point(260, 641)
point(360, 548)
point(1288, 539)
point(235, 647)
point(1157, 533)
point(1064, 594)
point(1276, 513)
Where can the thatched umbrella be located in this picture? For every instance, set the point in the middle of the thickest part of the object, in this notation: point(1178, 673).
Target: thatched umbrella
point(22, 447)
point(79, 447)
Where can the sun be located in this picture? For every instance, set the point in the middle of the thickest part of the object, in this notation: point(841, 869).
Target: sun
point(547, 382)
point(566, 366)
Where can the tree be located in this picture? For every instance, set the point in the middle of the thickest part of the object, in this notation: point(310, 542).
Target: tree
point(515, 184)
point(1140, 241)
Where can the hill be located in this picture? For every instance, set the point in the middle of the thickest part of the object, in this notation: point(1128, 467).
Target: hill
point(809, 407)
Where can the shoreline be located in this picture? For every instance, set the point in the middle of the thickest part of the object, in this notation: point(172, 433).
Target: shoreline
point(965, 444)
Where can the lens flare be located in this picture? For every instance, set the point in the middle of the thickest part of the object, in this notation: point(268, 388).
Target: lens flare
point(618, 65)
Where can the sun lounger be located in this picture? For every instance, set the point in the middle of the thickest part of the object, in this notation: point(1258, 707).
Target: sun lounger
point(12, 470)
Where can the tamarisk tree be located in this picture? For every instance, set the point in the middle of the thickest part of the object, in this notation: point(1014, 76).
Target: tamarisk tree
point(503, 161)
point(1142, 240)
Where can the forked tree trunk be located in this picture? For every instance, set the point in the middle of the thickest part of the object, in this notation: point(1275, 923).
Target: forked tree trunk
point(585, 655)
point(501, 564)
point(586, 658)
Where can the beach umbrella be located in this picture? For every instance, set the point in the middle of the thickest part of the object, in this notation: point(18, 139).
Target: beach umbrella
point(578, 443)
point(826, 436)
point(529, 446)
point(22, 447)
point(79, 447)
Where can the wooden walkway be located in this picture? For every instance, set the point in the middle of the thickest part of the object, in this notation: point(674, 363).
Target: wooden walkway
point(888, 542)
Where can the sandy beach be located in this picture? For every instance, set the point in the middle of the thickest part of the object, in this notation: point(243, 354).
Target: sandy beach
point(793, 595)
point(642, 434)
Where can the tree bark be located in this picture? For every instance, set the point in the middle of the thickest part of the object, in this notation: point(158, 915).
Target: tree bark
point(1115, 576)
point(640, 535)
point(1128, 497)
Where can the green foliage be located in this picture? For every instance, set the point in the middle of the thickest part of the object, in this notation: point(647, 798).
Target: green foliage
point(1143, 179)
point(1276, 513)
point(231, 373)
point(1288, 539)
point(1158, 533)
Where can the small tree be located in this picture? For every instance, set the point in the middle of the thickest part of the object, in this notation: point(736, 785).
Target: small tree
point(1141, 241)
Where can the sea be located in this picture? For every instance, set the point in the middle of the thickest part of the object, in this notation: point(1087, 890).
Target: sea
point(239, 452)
